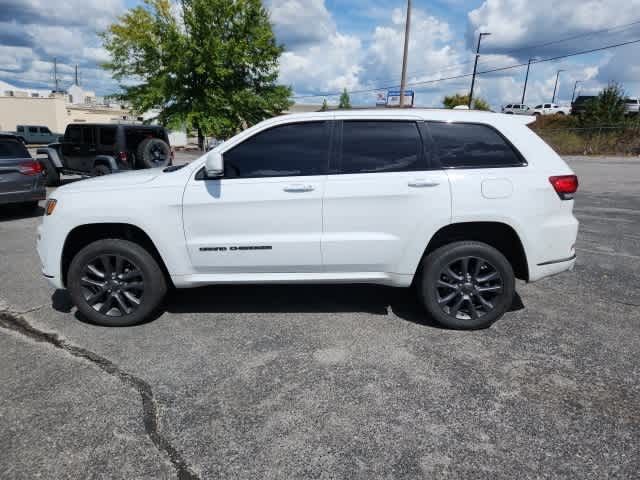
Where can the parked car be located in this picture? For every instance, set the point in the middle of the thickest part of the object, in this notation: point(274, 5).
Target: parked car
point(516, 109)
point(100, 149)
point(456, 203)
point(579, 105)
point(21, 177)
point(631, 106)
point(550, 109)
point(36, 134)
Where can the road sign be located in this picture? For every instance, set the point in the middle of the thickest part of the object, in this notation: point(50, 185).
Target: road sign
point(393, 98)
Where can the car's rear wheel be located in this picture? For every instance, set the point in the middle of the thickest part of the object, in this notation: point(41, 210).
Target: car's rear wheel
point(116, 282)
point(466, 285)
point(100, 170)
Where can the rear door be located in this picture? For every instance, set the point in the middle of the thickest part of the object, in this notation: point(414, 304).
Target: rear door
point(71, 147)
point(89, 146)
point(12, 154)
point(382, 200)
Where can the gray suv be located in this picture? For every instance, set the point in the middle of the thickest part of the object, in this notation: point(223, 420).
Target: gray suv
point(21, 177)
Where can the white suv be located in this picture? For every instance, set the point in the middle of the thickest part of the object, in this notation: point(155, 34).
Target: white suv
point(457, 203)
point(516, 109)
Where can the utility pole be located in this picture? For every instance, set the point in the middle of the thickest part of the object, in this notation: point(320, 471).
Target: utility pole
point(555, 88)
point(76, 82)
point(55, 73)
point(575, 85)
point(403, 81)
point(526, 79)
point(475, 67)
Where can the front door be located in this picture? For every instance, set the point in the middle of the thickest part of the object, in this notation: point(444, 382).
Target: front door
point(384, 202)
point(265, 214)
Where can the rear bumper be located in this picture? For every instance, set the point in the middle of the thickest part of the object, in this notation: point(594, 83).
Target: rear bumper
point(35, 194)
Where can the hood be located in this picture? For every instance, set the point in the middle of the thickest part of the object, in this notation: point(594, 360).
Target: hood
point(114, 181)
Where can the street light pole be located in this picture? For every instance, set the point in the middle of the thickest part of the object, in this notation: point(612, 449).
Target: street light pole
point(526, 79)
point(555, 88)
point(475, 67)
point(575, 85)
point(403, 81)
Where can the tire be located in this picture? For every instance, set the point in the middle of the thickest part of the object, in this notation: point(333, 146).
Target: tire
point(537, 114)
point(153, 153)
point(101, 299)
point(473, 313)
point(100, 170)
point(52, 176)
point(560, 113)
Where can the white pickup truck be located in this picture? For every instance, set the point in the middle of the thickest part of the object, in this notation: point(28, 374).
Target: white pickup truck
point(550, 109)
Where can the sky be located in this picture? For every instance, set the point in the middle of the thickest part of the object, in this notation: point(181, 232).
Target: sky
point(357, 44)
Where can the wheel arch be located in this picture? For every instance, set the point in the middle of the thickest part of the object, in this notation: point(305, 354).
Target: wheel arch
point(500, 236)
point(83, 235)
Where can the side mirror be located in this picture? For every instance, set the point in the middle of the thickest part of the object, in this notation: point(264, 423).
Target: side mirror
point(214, 165)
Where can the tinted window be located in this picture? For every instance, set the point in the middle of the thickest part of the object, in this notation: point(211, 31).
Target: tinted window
point(288, 150)
point(538, 106)
point(508, 106)
point(44, 130)
point(72, 135)
point(107, 135)
point(371, 146)
point(33, 130)
point(89, 135)
point(547, 105)
point(12, 148)
point(20, 129)
point(471, 146)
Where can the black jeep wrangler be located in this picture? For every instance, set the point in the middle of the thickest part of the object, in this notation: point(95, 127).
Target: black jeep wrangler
point(99, 149)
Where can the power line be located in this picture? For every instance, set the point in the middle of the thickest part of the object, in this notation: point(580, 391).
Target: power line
point(466, 75)
point(507, 52)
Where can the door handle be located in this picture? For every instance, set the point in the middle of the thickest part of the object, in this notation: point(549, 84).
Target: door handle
point(298, 187)
point(423, 183)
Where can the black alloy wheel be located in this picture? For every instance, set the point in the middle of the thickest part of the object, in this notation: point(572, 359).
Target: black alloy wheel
point(113, 285)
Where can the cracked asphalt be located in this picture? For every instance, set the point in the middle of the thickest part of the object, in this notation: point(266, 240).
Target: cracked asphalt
point(270, 382)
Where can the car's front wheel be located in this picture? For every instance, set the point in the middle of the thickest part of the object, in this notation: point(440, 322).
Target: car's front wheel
point(116, 282)
point(466, 285)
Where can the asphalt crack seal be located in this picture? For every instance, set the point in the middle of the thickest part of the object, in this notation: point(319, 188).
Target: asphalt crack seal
point(12, 322)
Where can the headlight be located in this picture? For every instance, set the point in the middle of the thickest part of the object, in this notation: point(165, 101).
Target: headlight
point(50, 206)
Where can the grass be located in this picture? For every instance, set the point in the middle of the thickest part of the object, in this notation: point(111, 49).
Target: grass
point(567, 137)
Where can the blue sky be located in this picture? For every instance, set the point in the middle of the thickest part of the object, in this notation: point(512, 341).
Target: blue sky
point(356, 44)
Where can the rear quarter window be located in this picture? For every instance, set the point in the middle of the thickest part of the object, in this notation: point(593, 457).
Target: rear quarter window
point(469, 145)
point(12, 148)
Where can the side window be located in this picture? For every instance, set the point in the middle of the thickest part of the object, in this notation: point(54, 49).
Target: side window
point(538, 106)
point(466, 145)
point(547, 105)
point(89, 135)
point(20, 129)
point(380, 146)
point(33, 129)
point(107, 135)
point(508, 106)
point(10, 148)
point(45, 130)
point(73, 135)
point(288, 150)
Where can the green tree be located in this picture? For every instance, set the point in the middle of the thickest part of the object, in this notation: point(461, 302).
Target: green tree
point(608, 108)
point(212, 66)
point(345, 101)
point(325, 106)
point(451, 101)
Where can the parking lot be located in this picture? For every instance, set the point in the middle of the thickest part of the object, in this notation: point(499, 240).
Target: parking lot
point(333, 381)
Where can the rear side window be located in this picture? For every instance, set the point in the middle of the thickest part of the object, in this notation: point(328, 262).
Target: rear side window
point(45, 130)
point(466, 145)
point(12, 148)
point(296, 149)
point(107, 135)
point(89, 135)
point(33, 129)
point(380, 146)
point(73, 134)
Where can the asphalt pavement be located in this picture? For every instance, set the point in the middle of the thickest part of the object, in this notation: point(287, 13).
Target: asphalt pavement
point(282, 382)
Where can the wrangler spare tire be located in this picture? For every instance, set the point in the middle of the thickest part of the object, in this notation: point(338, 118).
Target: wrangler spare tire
point(152, 153)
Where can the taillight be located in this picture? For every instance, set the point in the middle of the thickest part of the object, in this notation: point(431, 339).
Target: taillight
point(565, 186)
point(31, 168)
point(122, 156)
